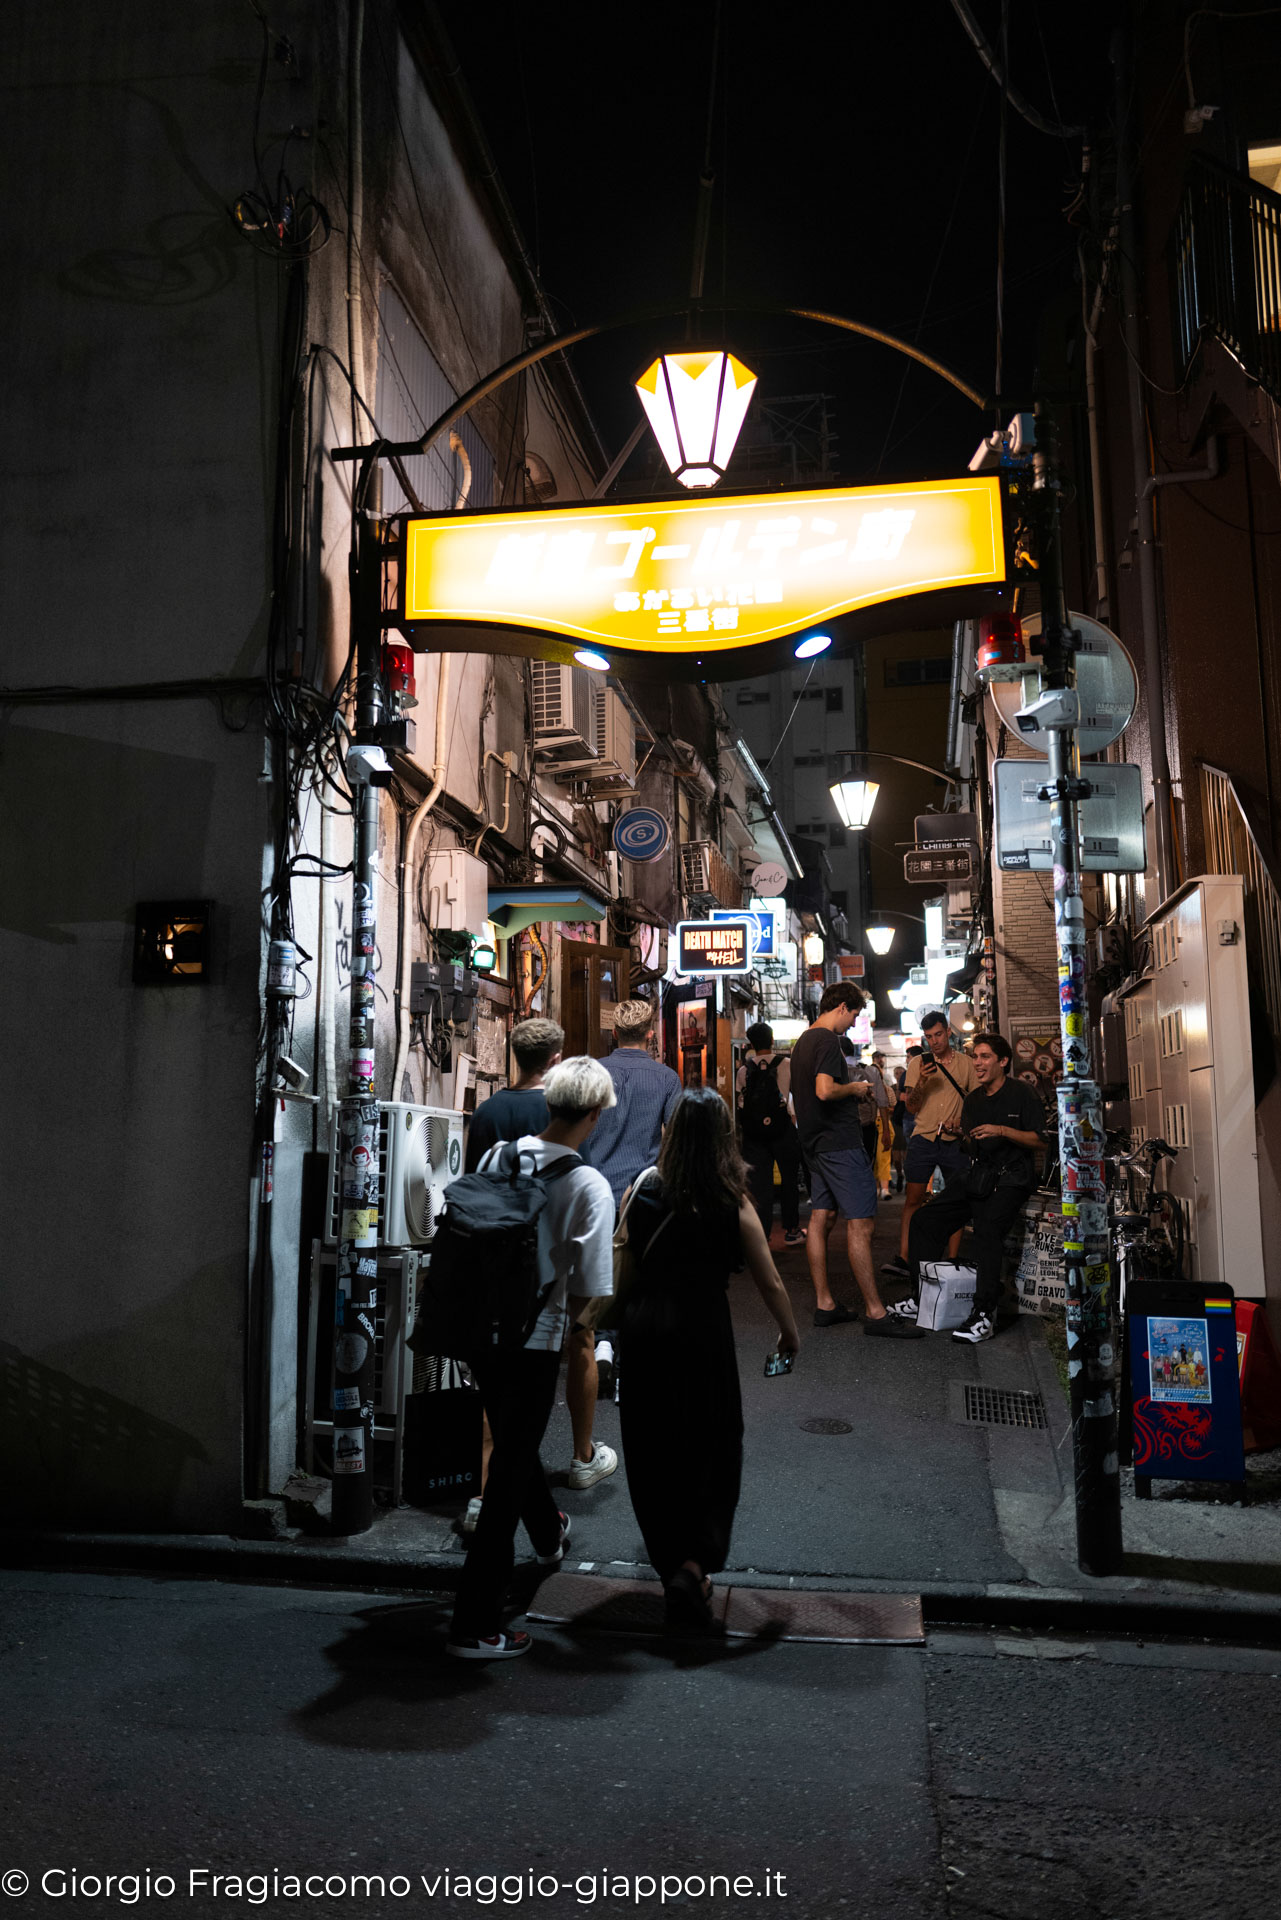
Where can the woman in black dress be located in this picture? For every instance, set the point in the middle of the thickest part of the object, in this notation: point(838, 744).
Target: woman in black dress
point(690, 1225)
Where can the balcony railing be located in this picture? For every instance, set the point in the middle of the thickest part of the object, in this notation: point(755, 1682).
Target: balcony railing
point(1232, 846)
point(1225, 258)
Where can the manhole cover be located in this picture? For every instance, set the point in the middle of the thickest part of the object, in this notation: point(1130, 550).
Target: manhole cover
point(826, 1426)
point(1003, 1406)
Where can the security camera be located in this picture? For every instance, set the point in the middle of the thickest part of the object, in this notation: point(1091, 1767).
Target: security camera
point(1051, 712)
point(368, 767)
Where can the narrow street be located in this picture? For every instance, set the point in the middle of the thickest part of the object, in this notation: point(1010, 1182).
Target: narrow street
point(238, 1730)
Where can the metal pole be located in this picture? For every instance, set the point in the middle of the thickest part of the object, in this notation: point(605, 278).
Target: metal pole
point(356, 1292)
point(1087, 1268)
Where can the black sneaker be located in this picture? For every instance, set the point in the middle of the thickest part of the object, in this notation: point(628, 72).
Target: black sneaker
point(833, 1316)
point(892, 1328)
point(898, 1267)
point(978, 1327)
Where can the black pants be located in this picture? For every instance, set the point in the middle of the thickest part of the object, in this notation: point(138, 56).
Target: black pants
point(934, 1224)
point(519, 1391)
point(761, 1158)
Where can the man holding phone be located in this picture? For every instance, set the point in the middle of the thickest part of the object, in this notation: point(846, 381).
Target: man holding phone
point(934, 1091)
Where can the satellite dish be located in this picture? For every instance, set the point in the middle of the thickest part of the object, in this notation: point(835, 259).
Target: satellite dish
point(1105, 679)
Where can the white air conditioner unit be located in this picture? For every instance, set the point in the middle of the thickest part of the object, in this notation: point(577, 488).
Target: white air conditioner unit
point(615, 744)
point(420, 1151)
point(564, 711)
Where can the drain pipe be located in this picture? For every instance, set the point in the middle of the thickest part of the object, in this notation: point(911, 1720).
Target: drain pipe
point(407, 874)
point(1102, 589)
point(1210, 471)
point(1153, 679)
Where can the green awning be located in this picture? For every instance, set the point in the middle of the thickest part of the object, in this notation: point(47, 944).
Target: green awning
point(512, 909)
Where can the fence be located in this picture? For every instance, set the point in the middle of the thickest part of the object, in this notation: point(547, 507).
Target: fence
point(1225, 259)
point(1232, 846)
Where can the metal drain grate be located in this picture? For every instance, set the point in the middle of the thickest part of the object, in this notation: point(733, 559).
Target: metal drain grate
point(1003, 1407)
point(826, 1426)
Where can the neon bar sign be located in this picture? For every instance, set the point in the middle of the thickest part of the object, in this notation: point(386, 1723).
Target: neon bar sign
point(702, 576)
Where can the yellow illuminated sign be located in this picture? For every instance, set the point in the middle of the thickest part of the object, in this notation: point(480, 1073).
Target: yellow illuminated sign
point(702, 576)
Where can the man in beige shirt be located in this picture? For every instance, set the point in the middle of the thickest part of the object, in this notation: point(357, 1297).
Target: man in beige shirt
point(936, 1086)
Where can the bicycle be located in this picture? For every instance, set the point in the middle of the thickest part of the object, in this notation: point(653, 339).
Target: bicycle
point(1147, 1232)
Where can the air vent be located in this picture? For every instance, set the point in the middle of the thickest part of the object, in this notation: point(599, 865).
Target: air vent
point(1002, 1407)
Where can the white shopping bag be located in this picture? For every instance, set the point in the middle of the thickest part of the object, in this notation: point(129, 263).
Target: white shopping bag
point(947, 1295)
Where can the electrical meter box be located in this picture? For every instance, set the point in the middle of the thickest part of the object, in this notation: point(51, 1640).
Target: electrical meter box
point(455, 892)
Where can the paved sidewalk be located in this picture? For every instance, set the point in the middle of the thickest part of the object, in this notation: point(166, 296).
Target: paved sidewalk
point(907, 1495)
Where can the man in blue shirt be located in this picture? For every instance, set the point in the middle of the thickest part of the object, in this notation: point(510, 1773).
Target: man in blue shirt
point(628, 1136)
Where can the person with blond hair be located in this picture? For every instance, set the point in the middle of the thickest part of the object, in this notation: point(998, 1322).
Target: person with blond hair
point(576, 1265)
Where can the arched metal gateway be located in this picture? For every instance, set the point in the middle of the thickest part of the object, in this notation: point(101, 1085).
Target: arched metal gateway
point(713, 586)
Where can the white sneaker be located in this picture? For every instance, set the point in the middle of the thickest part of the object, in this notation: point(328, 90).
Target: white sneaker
point(467, 1521)
point(905, 1309)
point(585, 1473)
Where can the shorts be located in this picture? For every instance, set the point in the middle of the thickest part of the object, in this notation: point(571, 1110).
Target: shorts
point(924, 1155)
point(843, 1182)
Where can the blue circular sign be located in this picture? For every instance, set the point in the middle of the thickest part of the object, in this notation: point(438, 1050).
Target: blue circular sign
point(641, 834)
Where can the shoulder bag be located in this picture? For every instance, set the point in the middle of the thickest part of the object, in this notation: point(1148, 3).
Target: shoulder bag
point(605, 1315)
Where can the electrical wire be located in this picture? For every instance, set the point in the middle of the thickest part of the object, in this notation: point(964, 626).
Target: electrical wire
point(999, 71)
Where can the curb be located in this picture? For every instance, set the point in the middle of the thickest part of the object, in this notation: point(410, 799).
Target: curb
point(1254, 1619)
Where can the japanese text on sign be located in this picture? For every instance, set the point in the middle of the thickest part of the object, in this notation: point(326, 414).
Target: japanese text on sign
point(696, 576)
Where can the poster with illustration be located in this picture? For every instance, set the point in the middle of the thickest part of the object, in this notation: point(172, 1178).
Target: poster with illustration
point(1178, 1361)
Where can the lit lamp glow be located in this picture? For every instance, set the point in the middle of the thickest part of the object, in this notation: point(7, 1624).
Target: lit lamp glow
point(696, 403)
point(812, 946)
point(879, 939)
point(854, 800)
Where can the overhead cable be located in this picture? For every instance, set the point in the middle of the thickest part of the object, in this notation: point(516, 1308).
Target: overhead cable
point(1021, 105)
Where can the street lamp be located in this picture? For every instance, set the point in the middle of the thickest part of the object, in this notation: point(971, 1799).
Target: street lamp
point(696, 404)
point(854, 800)
point(879, 938)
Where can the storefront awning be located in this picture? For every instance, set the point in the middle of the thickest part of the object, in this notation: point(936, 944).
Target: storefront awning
point(512, 909)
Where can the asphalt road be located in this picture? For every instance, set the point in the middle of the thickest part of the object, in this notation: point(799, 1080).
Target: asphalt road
point(176, 1727)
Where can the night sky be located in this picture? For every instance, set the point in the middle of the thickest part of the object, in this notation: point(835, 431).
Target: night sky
point(856, 154)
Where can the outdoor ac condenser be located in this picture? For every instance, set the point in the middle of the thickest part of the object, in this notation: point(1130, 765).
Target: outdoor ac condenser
point(420, 1153)
point(564, 711)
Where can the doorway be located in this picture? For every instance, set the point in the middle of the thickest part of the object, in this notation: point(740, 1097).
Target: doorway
point(592, 981)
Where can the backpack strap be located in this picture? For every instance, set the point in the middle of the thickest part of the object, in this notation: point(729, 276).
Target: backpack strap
point(565, 1164)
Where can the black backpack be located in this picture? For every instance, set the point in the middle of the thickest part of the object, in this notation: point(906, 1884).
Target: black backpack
point(482, 1289)
point(764, 1108)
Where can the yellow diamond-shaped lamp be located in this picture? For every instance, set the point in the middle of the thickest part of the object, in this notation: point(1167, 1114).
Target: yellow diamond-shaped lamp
point(696, 404)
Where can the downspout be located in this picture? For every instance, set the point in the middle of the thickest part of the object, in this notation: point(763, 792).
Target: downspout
point(407, 874)
point(355, 207)
point(1153, 691)
point(954, 697)
point(1102, 590)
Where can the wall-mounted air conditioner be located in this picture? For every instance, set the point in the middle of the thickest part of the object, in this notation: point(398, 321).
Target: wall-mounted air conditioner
point(564, 711)
point(615, 767)
point(707, 874)
point(420, 1151)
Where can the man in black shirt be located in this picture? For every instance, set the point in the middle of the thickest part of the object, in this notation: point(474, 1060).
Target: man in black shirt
point(520, 1109)
point(1003, 1123)
point(841, 1178)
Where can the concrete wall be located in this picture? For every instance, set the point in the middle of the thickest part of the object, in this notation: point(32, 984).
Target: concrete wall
point(136, 529)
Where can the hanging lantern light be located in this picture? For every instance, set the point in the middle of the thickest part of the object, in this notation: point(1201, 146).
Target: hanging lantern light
point(854, 800)
point(696, 403)
point(879, 938)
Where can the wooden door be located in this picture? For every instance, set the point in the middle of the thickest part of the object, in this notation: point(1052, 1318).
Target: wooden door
point(592, 978)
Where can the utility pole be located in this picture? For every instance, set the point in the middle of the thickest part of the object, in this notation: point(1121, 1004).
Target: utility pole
point(1086, 1249)
point(356, 1291)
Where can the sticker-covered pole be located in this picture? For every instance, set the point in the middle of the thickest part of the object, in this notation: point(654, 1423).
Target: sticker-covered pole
point(356, 1293)
point(1087, 1266)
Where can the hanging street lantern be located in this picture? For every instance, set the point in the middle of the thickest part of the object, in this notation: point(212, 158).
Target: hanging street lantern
point(854, 800)
point(696, 403)
point(879, 938)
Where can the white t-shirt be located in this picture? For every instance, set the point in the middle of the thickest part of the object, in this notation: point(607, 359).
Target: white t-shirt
point(575, 1238)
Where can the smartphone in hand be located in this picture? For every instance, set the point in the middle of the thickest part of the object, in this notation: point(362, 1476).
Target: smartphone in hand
point(777, 1362)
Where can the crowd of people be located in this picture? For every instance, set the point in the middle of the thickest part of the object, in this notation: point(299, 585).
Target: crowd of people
point(651, 1205)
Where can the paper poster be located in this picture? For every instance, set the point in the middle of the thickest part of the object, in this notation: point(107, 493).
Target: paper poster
point(1178, 1362)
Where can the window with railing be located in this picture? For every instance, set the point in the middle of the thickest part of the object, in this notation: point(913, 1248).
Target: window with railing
point(1225, 260)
